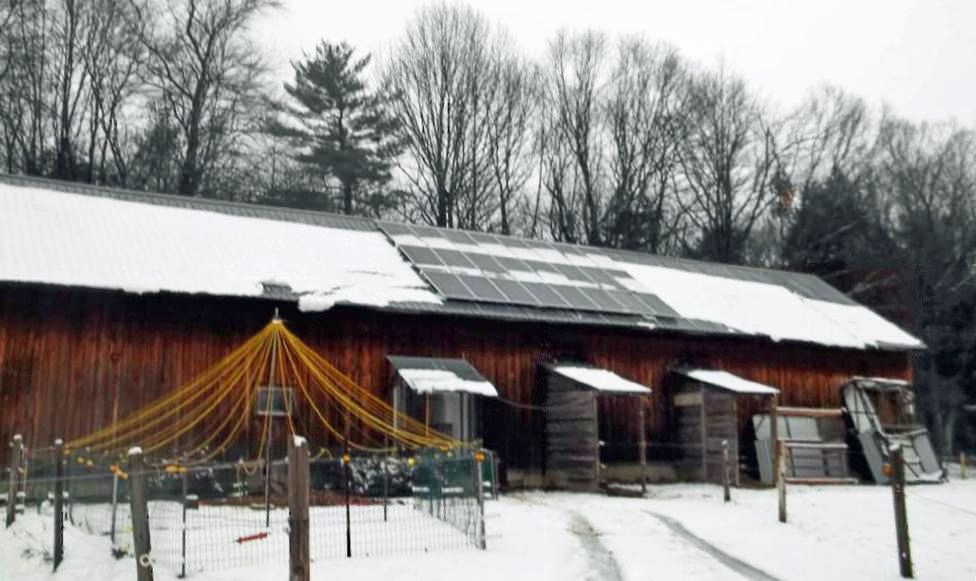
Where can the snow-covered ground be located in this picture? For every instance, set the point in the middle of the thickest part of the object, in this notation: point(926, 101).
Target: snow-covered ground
point(677, 532)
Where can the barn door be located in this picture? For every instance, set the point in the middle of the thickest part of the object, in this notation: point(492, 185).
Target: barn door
point(572, 435)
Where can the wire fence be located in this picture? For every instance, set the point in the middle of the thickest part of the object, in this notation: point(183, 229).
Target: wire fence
point(221, 516)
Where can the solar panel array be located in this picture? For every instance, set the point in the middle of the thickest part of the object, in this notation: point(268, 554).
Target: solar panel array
point(472, 266)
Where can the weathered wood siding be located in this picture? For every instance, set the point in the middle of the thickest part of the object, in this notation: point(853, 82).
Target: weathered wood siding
point(72, 360)
point(572, 435)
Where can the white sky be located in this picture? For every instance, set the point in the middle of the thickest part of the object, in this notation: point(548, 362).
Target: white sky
point(919, 56)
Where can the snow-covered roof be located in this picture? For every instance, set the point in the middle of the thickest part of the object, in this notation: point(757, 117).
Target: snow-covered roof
point(88, 241)
point(437, 375)
point(602, 380)
point(728, 381)
point(73, 235)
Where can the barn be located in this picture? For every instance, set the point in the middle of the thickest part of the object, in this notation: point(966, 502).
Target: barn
point(111, 298)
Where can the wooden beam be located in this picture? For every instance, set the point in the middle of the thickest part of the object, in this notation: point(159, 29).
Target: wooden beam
point(811, 412)
point(140, 515)
point(298, 496)
point(821, 481)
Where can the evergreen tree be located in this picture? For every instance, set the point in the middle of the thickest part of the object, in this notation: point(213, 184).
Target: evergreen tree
point(343, 135)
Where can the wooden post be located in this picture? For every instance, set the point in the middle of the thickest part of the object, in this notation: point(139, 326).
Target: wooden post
point(479, 488)
point(725, 470)
point(642, 445)
point(140, 515)
point(58, 502)
point(781, 479)
point(115, 508)
point(774, 436)
point(298, 497)
point(901, 512)
point(16, 451)
point(346, 468)
point(183, 532)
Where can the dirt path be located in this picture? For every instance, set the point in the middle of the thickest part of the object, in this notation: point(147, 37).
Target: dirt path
point(741, 567)
point(603, 566)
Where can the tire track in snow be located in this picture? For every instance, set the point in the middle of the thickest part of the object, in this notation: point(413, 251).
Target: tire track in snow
point(737, 565)
point(603, 566)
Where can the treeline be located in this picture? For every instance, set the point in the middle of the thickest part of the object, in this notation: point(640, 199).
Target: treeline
point(616, 142)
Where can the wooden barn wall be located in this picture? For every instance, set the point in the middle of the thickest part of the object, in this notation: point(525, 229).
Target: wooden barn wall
point(73, 360)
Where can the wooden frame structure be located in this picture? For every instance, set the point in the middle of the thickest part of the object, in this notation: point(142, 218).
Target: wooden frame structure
point(706, 413)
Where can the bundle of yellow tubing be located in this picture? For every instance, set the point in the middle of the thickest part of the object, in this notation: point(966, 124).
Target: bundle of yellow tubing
point(202, 418)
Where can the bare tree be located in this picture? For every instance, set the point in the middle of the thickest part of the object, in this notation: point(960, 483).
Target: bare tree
point(573, 159)
point(510, 123)
point(928, 174)
point(443, 77)
point(113, 59)
point(644, 101)
point(207, 73)
point(727, 158)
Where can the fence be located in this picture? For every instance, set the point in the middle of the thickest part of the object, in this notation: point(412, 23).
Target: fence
point(217, 516)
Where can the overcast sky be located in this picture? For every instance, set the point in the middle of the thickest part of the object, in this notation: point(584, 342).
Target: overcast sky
point(918, 56)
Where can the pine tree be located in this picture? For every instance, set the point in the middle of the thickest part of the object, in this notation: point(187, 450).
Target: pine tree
point(341, 130)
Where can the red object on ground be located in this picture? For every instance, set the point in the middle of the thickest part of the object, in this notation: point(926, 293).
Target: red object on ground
point(256, 537)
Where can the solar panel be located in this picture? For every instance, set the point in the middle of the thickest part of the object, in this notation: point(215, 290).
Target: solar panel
point(483, 289)
point(656, 305)
point(538, 265)
point(516, 292)
point(454, 258)
point(630, 302)
point(603, 300)
point(420, 254)
point(603, 276)
point(510, 264)
point(547, 296)
point(427, 231)
point(575, 298)
point(485, 262)
point(448, 284)
point(458, 236)
point(394, 229)
point(576, 280)
point(572, 273)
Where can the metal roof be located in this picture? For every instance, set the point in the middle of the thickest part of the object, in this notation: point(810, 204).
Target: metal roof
point(803, 285)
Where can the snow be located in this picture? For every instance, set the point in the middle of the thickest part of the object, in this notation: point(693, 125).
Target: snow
point(756, 308)
point(728, 381)
point(599, 379)
point(836, 532)
point(442, 380)
point(79, 240)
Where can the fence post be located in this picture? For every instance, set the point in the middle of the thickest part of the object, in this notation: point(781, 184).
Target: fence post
point(725, 471)
point(901, 512)
point(298, 499)
point(140, 515)
point(346, 468)
point(115, 507)
point(781, 478)
point(183, 531)
point(16, 447)
point(642, 446)
point(58, 502)
point(479, 488)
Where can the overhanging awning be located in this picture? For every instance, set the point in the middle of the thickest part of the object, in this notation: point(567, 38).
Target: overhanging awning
point(437, 375)
point(728, 381)
point(601, 380)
